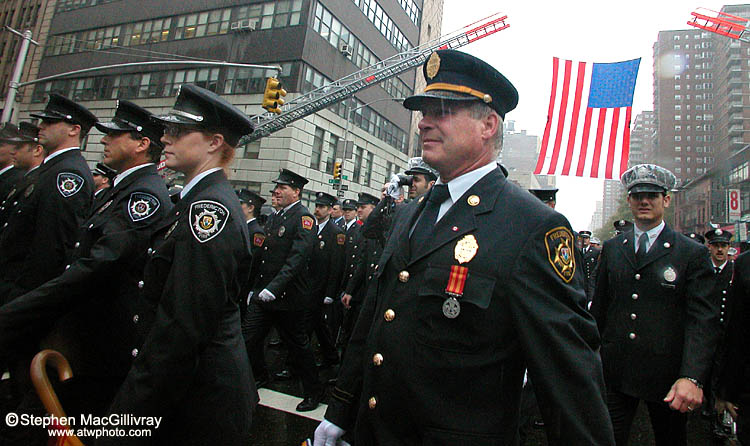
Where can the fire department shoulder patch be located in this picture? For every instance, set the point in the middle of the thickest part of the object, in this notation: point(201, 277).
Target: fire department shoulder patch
point(307, 222)
point(142, 205)
point(258, 239)
point(341, 239)
point(559, 243)
point(207, 219)
point(68, 184)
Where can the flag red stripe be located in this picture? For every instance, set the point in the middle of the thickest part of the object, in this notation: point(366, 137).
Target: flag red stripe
point(561, 117)
point(598, 143)
point(625, 142)
point(574, 122)
point(584, 142)
point(612, 141)
point(550, 110)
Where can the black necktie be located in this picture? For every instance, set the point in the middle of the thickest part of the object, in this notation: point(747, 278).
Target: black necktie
point(717, 269)
point(641, 253)
point(423, 229)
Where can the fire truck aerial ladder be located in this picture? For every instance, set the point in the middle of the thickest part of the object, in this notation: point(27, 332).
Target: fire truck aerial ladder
point(721, 23)
point(337, 91)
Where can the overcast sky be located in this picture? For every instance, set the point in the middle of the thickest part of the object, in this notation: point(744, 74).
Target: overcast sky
point(593, 31)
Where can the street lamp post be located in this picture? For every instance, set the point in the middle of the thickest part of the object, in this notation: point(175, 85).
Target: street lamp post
point(10, 99)
point(349, 112)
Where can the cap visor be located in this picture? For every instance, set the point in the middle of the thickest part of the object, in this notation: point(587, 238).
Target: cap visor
point(174, 119)
point(107, 127)
point(43, 115)
point(418, 101)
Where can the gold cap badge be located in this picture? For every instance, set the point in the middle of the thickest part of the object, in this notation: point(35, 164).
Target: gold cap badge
point(433, 65)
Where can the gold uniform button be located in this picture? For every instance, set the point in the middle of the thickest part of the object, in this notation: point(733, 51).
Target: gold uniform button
point(631, 336)
point(77, 244)
point(134, 353)
point(150, 251)
point(136, 318)
point(634, 296)
point(377, 359)
point(140, 284)
point(372, 403)
point(389, 315)
point(637, 277)
point(403, 276)
point(633, 316)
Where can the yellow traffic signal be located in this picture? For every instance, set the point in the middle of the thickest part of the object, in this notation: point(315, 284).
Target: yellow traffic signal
point(272, 96)
point(337, 170)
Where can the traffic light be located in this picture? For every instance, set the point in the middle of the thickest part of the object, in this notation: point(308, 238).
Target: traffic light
point(272, 97)
point(337, 170)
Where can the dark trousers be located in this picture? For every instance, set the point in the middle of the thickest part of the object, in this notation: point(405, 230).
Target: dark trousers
point(669, 425)
point(347, 327)
point(318, 320)
point(291, 328)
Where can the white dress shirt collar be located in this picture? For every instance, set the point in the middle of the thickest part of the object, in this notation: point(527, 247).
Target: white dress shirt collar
point(195, 181)
point(59, 152)
point(121, 176)
point(652, 233)
point(458, 186)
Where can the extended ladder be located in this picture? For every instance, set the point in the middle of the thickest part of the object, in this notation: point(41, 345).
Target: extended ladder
point(723, 24)
point(337, 91)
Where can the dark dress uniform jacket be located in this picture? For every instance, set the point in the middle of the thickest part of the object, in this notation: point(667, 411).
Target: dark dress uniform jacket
point(426, 379)
point(283, 264)
point(257, 235)
point(658, 320)
point(41, 232)
point(590, 261)
point(327, 263)
point(351, 252)
point(8, 181)
point(734, 376)
point(10, 202)
point(97, 303)
point(366, 267)
point(193, 369)
point(721, 291)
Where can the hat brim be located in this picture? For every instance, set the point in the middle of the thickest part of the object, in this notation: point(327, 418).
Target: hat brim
point(175, 119)
point(108, 127)
point(718, 240)
point(646, 187)
point(418, 101)
point(49, 117)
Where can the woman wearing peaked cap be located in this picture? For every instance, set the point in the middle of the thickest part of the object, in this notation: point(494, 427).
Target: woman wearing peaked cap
point(193, 370)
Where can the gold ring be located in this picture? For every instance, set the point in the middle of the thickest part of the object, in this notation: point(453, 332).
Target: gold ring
point(690, 408)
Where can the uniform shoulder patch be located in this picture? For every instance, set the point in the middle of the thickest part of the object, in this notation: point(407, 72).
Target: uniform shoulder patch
point(307, 222)
point(68, 183)
point(258, 239)
point(142, 205)
point(559, 243)
point(341, 239)
point(207, 219)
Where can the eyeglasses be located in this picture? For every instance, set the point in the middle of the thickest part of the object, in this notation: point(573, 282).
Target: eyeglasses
point(179, 130)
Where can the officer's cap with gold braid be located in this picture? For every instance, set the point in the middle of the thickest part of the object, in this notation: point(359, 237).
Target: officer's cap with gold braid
point(456, 76)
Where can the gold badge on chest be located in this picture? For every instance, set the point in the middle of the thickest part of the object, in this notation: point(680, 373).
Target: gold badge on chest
point(466, 249)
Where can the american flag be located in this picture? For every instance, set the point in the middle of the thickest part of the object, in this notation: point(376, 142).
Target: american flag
point(588, 122)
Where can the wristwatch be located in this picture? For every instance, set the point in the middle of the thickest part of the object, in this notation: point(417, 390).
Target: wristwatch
point(694, 381)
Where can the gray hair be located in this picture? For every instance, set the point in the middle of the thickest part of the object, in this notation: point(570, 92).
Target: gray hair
point(479, 110)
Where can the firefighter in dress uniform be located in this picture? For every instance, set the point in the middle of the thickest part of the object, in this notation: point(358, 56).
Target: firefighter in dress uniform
point(193, 370)
point(478, 280)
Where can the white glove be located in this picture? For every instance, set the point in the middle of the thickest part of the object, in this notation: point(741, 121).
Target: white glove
point(393, 189)
point(327, 301)
point(328, 434)
point(249, 296)
point(266, 296)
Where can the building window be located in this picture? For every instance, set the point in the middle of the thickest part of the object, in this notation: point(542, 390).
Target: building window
point(677, 148)
point(368, 168)
point(357, 164)
point(678, 138)
point(383, 23)
point(317, 148)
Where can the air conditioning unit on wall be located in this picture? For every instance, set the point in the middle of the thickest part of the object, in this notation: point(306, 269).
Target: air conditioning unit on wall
point(244, 25)
point(345, 49)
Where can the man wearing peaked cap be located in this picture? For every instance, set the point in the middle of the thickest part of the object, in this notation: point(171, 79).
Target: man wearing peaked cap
point(35, 243)
point(456, 295)
point(109, 255)
point(202, 109)
point(423, 177)
point(102, 180)
point(280, 288)
point(654, 308)
point(548, 196)
point(27, 155)
point(251, 206)
point(10, 138)
point(326, 267)
point(590, 259)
